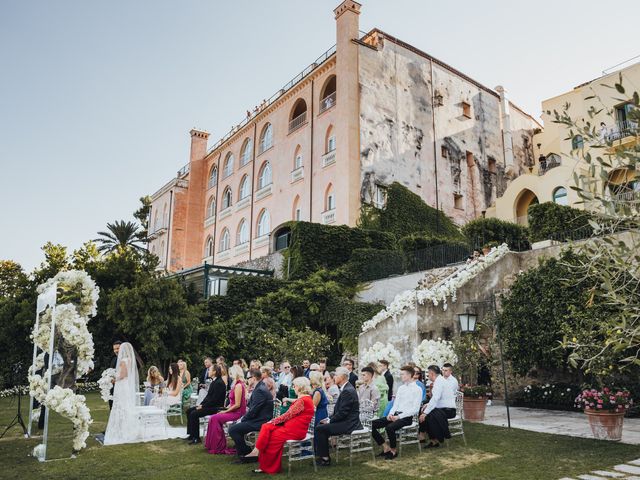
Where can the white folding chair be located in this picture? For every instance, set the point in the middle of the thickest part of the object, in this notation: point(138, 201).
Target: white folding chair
point(409, 435)
point(456, 426)
point(359, 440)
point(298, 450)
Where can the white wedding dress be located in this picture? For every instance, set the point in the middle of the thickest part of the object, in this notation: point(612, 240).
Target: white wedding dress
point(129, 422)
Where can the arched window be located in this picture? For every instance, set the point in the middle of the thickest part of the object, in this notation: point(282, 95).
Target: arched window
point(330, 140)
point(155, 221)
point(297, 158)
point(162, 256)
point(153, 249)
point(245, 153)
point(328, 94)
point(225, 240)
point(297, 211)
point(211, 207)
point(226, 198)
point(165, 217)
point(245, 188)
point(208, 247)
point(298, 115)
point(213, 176)
point(242, 235)
point(264, 177)
point(577, 142)
point(329, 199)
point(560, 196)
point(228, 165)
point(266, 138)
point(264, 223)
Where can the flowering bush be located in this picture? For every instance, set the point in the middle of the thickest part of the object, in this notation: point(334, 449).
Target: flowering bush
point(438, 293)
point(434, 352)
point(106, 383)
point(10, 392)
point(380, 351)
point(476, 391)
point(555, 396)
point(609, 399)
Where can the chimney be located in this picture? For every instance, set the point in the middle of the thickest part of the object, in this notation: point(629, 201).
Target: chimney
point(198, 144)
point(506, 128)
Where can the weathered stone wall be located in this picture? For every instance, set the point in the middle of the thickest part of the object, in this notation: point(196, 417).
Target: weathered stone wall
point(273, 261)
point(402, 134)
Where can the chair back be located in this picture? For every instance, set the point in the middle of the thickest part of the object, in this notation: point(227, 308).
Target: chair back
point(366, 412)
point(459, 404)
point(276, 407)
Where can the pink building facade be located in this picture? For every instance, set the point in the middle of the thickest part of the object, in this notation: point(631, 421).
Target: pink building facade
point(370, 111)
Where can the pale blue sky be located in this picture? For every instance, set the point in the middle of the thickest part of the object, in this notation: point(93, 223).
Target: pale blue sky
point(97, 98)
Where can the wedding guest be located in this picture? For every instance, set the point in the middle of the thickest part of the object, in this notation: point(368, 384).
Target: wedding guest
point(220, 360)
point(185, 377)
point(384, 371)
point(405, 405)
point(296, 372)
point(348, 364)
point(173, 388)
point(204, 373)
point(259, 411)
point(285, 377)
point(381, 384)
point(441, 407)
point(154, 380)
point(225, 376)
point(243, 364)
point(417, 377)
point(112, 364)
point(305, 367)
point(447, 373)
point(216, 440)
point(268, 380)
point(212, 403)
point(322, 366)
point(367, 390)
point(319, 397)
point(345, 418)
point(293, 425)
point(333, 391)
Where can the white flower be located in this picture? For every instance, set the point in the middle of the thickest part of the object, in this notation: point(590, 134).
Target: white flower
point(105, 383)
point(380, 351)
point(434, 352)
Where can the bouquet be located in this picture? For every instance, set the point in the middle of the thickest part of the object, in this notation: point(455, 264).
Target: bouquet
point(106, 383)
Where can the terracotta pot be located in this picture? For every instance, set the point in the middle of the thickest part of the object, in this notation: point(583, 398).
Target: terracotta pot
point(474, 409)
point(605, 424)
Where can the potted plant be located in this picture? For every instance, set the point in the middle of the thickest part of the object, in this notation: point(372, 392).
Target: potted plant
point(475, 401)
point(605, 409)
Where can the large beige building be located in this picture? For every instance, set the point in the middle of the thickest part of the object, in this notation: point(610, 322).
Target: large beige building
point(370, 111)
point(559, 155)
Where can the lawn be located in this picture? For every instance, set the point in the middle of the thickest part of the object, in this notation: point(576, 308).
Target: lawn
point(491, 453)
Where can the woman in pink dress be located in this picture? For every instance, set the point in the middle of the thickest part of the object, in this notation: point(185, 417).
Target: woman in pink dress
point(216, 441)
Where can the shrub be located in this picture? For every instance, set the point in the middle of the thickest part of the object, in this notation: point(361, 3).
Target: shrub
point(369, 264)
point(423, 251)
point(552, 221)
point(553, 396)
point(476, 391)
point(483, 231)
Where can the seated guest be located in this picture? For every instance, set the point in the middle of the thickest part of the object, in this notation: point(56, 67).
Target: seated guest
point(285, 377)
point(173, 389)
point(212, 403)
point(319, 397)
point(154, 380)
point(306, 364)
point(333, 391)
point(381, 384)
point(293, 425)
point(254, 365)
point(216, 440)
point(384, 371)
point(367, 390)
point(268, 380)
point(441, 407)
point(348, 364)
point(405, 405)
point(185, 376)
point(322, 366)
point(447, 373)
point(204, 373)
point(417, 377)
point(296, 372)
point(345, 418)
point(259, 411)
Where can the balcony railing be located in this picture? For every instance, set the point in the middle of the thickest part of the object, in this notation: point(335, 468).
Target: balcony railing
point(264, 146)
point(329, 216)
point(620, 130)
point(548, 165)
point(297, 174)
point(297, 122)
point(327, 102)
point(183, 171)
point(628, 196)
point(329, 158)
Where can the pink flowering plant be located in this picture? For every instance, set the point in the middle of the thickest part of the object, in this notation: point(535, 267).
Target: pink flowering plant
point(606, 399)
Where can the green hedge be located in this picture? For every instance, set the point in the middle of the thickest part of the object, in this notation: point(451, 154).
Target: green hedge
point(558, 222)
point(423, 252)
point(369, 264)
point(314, 246)
point(483, 231)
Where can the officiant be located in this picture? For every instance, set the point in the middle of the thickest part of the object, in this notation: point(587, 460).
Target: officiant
point(113, 364)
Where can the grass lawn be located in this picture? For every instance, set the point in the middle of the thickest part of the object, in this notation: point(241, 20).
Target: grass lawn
point(491, 453)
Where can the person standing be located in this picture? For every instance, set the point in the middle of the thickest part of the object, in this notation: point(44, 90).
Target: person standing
point(442, 406)
point(384, 371)
point(113, 364)
point(212, 403)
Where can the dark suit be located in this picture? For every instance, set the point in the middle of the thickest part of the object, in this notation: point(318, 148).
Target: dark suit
point(353, 378)
point(259, 411)
point(112, 364)
point(345, 419)
point(204, 374)
point(389, 378)
point(212, 403)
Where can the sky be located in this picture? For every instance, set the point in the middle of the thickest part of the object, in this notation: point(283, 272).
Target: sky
point(97, 97)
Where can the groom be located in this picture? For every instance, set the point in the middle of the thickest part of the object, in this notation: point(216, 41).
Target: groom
point(114, 364)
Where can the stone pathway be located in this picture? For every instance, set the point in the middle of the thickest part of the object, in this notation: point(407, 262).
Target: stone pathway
point(624, 471)
point(574, 424)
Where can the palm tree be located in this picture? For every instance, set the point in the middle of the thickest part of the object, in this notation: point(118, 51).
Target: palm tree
point(121, 235)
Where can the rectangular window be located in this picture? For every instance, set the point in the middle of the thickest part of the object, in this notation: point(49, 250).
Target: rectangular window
point(444, 151)
point(466, 110)
point(298, 214)
point(331, 144)
point(457, 201)
point(470, 160)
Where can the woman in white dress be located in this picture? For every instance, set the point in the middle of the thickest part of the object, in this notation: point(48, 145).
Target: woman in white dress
point(173, 389)
point(123, 425)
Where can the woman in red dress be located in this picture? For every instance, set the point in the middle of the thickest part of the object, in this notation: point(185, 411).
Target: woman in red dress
point(292, 425)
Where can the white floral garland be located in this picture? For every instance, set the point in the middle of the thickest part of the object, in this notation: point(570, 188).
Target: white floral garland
point(434, 352)
point(380, 351)
point(71, 323)
point(105, 383)
point(438, 293)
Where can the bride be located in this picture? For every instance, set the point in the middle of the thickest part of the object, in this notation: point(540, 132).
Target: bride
point(125, 420)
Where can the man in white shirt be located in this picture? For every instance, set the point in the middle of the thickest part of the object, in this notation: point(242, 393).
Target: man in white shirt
point(441, 407)
point(447, 373)
point(405, 405)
